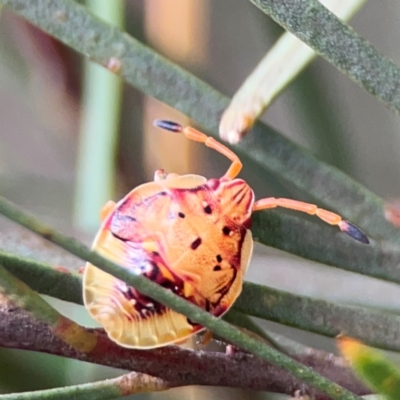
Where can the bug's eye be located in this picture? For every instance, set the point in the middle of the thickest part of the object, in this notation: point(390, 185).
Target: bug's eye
point(217, 268)
point(181, 215)
point(219, 258)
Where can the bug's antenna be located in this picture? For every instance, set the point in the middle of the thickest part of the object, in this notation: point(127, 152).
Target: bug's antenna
point(168, 125)
point(353, 231)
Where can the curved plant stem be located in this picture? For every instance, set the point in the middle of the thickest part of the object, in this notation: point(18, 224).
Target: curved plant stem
point(334, 40)
point(109, 389)
point(166, 297)
point(160, 78)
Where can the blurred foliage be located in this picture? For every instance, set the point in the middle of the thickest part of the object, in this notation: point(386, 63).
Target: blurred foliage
point(373, 367)
point(40, 85)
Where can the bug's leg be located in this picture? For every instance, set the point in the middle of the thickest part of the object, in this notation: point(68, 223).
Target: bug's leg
point(205, 338)
point(326, 216)
point(81, 270)
point(106, 210)
point(198, 136)
point(160, 175)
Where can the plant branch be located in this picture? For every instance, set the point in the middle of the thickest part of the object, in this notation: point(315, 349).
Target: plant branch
point(160, 78)
point(19, 294)
point(98, 136)
point(124, 385)
point(169, 299)
point(334, 40)
point(175, 365)
point(256, 300)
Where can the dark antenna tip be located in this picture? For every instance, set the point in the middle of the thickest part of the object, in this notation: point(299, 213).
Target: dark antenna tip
point(167, 125)
point(353, 231)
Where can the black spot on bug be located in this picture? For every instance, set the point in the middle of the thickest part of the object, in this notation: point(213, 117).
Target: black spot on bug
point(163, 193)
point(207, 209)
point(196, 244)
point(181, 215)
point(226, 230)
point(217, 268)
point(219, 258)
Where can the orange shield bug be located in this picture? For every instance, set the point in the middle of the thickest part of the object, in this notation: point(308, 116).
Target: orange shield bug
point(190, 235)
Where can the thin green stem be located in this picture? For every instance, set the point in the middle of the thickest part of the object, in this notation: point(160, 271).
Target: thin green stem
point(160, 78)
point(101, 109)
point(334, 40)
point(280, 66)
point(320, 316)
point(168, 298)
point(244, 321)
point(325, 244)
point(57, 282)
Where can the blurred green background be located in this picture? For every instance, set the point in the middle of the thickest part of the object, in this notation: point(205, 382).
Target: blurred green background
point(69, 141)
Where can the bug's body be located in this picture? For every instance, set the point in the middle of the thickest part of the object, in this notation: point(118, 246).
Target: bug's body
point(186, 233)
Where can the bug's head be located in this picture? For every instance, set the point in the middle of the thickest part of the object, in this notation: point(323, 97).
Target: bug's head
point(235, 197)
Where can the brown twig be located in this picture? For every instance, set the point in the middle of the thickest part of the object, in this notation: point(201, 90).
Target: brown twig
point(175, 365)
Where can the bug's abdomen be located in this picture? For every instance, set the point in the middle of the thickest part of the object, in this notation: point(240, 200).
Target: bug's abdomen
point(180, 239)
point(130, 318)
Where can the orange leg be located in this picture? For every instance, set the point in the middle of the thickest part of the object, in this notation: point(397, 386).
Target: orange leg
point(326, 216)
point(81, 270)
point(198, 136)
point(161, 175)
point(206, 338)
